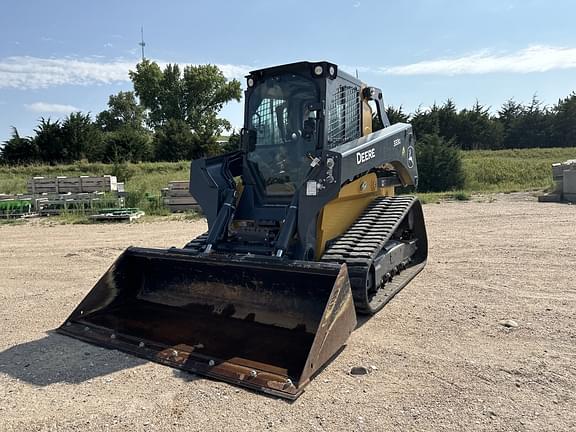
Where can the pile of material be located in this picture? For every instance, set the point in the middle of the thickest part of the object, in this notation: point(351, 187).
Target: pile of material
point(53, 204)
point(55, 195)
point(64, 185)
point(564, 176)
point(177, 197)
point(118, 214)
point(13, 208)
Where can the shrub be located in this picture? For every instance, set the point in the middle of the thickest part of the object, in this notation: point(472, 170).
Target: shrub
point(122, 171)
point(439, 165)
point(461, 196)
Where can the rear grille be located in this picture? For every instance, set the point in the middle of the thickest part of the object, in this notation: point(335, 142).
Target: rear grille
point(344, 116)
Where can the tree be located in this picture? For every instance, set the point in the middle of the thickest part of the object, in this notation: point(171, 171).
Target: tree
point(564, 133)
point(395, 115)
point(123, 110)
point(448, 121)
point(439, 165)
point(48, 138)
point(19, 150)
point(526, 126)
point(81, 138)
point(425, 122)
point(174, 141)
point(478, 130)
point(233, 143)
point(509, 117)
point(125, 137)
point(127, 144)
point(194, 96)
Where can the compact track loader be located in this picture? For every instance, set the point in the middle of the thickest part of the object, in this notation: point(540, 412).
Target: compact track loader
point(305, 231)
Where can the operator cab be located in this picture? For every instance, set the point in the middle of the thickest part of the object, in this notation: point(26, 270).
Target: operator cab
point(290, 112)
point(283, 115)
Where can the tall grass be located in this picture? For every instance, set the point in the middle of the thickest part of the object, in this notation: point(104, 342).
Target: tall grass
point(511, 170)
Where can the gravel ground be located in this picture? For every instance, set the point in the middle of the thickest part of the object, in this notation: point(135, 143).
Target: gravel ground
point(439, 357)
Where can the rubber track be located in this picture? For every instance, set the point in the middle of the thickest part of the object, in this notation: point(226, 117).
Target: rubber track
point(361, 244)
point(197, 245)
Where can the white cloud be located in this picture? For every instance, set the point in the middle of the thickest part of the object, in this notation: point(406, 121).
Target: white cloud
point(35, 72)
point(536, 58)
point(235, 71)
point(44, 107)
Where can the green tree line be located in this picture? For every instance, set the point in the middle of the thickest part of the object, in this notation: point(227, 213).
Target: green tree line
point(171, 115)
point(443, 132)
point(514, 125)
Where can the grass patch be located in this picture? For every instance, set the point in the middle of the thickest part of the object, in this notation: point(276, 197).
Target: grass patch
point(511, 170)
point(12, 221)
point(192, 216)
point(461, 196)
point(71, 218)
point(438, 197)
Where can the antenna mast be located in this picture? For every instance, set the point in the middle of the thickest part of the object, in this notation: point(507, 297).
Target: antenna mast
point(142, 43)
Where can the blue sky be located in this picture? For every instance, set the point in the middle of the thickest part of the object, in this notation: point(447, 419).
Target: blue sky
point(60, 56)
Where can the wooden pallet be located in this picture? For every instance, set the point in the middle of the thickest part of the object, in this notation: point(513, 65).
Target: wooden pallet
point(181, 208)
point(175, 193)
point(81, 184)
point(179, 185)
point(81, 202)
point(180, 200)
point(177, 197)
point(24, 197)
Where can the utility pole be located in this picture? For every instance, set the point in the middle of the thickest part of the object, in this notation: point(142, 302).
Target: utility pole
point(142, 43)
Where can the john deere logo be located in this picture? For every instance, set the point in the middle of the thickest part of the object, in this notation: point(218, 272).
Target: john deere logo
point(364, 156)
point(410, 157)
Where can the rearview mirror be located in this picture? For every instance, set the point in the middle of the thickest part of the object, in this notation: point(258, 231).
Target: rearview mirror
point(248, 139)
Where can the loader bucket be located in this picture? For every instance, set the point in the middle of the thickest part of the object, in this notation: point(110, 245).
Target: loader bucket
point(262, 323)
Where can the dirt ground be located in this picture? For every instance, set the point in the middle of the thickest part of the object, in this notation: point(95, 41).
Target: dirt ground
point(440, 358)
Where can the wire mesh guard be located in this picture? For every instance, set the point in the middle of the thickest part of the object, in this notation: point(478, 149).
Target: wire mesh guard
point(344, 116)
point(266, 120)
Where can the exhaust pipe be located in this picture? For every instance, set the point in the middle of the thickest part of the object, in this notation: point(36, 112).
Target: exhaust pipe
point(261, 323)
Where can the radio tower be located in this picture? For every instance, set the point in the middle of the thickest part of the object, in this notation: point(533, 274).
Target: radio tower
point(142, 43)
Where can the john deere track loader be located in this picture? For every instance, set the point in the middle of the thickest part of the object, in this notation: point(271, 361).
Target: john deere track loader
point(304, 232)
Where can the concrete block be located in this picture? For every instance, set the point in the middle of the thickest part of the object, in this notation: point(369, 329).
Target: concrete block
point(549, 198)
point(558, 171)
point(558, 185)
point(569, 181)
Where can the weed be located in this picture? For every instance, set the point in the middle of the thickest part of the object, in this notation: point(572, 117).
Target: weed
point(461, 196)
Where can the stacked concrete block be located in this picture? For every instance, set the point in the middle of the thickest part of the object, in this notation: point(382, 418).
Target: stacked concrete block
point(569, 185)
point(177, 197)
point(81, 184)
point(564, 176)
